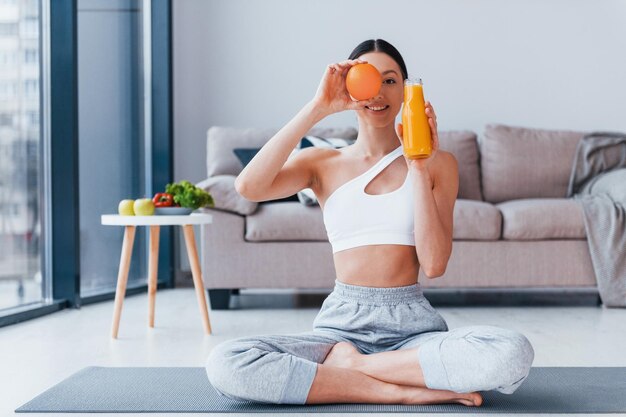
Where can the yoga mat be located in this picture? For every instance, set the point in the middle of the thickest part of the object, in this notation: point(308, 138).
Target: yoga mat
point(181, 390)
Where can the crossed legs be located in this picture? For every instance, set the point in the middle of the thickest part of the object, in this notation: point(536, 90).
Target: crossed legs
point(477, 358)
point(388, 377)
point(318, 367)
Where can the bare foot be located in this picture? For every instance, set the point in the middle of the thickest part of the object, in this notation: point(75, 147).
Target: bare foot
point(472, 399)
point(342, 355)
point(416, 395)
point(346, 355)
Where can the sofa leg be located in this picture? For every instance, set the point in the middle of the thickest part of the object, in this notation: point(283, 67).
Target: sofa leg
point(220, 299)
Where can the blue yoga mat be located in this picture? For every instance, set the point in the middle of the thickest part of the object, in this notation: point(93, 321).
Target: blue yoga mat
point(183, 390)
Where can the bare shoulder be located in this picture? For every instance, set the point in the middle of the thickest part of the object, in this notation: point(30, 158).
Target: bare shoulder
point(445, 160)
point(319, 159)
point(446, 168)
point(310, 156)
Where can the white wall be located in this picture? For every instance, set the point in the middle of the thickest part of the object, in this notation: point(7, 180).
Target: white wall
point(556, 64)
point(253, 63)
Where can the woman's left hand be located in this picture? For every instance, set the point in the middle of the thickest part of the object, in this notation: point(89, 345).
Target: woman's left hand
point(424, 163)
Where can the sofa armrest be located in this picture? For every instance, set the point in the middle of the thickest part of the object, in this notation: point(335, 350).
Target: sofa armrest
point(225, 196)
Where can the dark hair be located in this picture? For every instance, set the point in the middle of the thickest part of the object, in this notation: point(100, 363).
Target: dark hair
point(380, 45)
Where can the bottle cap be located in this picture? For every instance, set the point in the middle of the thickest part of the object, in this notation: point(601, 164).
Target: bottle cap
point(413, 81)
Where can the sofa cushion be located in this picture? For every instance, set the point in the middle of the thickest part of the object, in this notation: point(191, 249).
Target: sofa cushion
point(222, 140)
point(286, 221)
point(543, 218)
point(526, 163)
point(225, 196)
point(464, 146)
point(476, 220)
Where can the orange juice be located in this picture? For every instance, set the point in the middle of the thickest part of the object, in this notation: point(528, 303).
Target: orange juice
point(415, 128)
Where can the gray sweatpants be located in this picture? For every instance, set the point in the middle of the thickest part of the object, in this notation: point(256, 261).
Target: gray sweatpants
point(281, 368)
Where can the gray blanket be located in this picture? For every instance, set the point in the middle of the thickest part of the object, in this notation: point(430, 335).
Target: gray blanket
point(598, 181)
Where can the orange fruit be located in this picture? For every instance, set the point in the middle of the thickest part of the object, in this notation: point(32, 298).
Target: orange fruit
point(363, 81)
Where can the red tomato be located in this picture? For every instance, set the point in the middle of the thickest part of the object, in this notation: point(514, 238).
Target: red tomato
point(163, 200)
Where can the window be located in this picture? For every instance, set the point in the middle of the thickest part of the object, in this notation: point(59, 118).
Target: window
point(20, 227)
point(32, 118)
point(31, 56)
point(6, 120)
point(46, 264)
point(110, 141)
point(8, 30)
point(31, 88)
point(7, 57)
point(8, 90)
point(30, 28)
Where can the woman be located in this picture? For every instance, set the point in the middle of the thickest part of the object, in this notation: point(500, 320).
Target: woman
point(376, 338)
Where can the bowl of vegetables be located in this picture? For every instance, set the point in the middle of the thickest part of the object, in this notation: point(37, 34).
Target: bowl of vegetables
point(181, 198)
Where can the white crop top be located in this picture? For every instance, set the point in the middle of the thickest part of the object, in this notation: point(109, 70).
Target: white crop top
point(354, 218)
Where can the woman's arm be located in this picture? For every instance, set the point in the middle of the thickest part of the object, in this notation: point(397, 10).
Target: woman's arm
point(434, 210)
point(267, 175)
point(256, 179)
point(435, 196)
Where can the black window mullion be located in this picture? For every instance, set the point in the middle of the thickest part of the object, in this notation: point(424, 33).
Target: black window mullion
point(162, 126)
point(64, 152)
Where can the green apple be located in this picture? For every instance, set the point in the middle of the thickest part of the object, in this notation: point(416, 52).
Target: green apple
point(143, 207)
point(125, 208)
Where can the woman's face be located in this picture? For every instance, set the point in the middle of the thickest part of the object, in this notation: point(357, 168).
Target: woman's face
point(391, 93)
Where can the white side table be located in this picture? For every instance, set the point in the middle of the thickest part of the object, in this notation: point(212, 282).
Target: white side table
point(155, 222)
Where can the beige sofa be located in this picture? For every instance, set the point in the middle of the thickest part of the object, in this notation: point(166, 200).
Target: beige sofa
point(514, 230)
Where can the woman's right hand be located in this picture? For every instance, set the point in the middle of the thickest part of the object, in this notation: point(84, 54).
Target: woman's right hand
point(332, 95)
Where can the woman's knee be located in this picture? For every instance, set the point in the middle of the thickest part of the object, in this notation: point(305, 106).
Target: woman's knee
point(520, 358)
point(224, 367)
point(513, 359)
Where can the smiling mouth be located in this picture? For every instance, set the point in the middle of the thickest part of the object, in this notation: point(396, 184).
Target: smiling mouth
point(377, 108)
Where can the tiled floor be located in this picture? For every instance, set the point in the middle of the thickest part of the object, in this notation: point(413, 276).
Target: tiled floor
point(39, 353)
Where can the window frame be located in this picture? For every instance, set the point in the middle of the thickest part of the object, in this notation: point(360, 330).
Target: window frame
point(59, 158)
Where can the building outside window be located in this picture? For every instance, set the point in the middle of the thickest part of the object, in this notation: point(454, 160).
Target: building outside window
point(20, 227)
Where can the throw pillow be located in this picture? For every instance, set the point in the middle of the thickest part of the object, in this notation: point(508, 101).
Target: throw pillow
point(519, 162)
point(464, 146)
point(307, 196)
point(245, 155)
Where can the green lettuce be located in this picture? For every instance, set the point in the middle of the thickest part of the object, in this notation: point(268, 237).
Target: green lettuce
point(188, 195)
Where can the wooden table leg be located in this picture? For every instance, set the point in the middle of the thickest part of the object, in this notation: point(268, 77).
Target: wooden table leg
point(153, 267)
point(192, 252)
point(122, 277)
